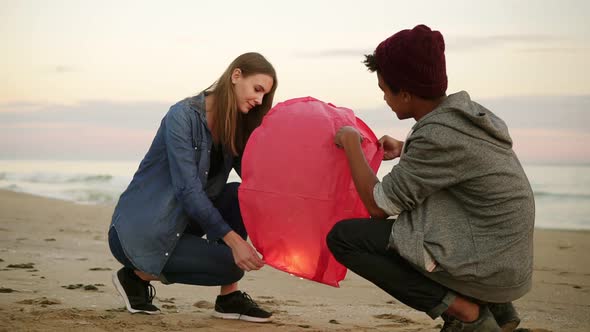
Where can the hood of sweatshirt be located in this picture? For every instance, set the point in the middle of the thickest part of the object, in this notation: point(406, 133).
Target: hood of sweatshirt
point(460, 113)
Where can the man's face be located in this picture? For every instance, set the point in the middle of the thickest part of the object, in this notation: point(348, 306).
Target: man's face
point(394, 101)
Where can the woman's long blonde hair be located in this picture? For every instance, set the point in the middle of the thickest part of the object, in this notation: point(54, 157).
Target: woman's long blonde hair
point(232, 127)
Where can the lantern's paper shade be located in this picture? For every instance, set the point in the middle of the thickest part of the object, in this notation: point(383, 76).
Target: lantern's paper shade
point(296, 184)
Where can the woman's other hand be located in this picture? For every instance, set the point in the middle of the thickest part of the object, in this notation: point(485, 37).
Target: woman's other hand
point(245, 256)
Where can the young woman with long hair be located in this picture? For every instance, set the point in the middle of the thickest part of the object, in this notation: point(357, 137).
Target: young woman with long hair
point(179, 194)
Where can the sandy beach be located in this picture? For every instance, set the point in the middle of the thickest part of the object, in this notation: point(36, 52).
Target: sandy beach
point(55, 275)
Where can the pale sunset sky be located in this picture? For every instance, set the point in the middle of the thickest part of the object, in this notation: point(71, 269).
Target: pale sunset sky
point(92, 79)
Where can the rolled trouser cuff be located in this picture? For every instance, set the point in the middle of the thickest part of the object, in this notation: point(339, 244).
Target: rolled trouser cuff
point(446, 302)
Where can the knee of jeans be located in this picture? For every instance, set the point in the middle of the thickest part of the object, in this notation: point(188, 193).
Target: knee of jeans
point(334, 236)
point(117, 250)
point(114, 243)
point(233, 274)
point(229, 197)
point(232, 188)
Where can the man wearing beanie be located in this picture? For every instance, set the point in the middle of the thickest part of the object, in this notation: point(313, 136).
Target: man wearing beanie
point(460, 246)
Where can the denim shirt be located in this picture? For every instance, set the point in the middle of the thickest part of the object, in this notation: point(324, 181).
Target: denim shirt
point(171, 188)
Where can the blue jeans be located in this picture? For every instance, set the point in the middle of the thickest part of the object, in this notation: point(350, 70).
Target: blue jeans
point(195, 260)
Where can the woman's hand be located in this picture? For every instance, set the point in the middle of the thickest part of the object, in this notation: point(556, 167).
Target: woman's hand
point(245, 256)
point(391, 146)
point(344, 133)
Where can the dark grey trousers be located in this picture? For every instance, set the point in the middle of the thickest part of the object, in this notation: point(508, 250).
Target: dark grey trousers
point(362, 246)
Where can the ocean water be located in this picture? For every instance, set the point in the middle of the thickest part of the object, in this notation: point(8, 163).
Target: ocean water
point(562, 192)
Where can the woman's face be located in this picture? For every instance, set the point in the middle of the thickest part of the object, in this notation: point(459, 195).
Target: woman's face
point(250, 90)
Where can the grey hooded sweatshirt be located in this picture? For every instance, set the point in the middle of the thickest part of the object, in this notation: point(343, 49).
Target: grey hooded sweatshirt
point(465, 202)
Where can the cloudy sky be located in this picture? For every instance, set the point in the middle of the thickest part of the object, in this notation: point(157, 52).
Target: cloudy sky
point(92, 79)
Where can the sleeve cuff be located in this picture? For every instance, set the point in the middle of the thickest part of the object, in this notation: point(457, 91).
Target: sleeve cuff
point(383, 201)
point(218, 232)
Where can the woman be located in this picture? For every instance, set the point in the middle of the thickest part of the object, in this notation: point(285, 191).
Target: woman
point(179, 193)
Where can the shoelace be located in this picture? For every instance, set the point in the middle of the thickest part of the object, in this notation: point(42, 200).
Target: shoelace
point(249, 300)
point(151, 293)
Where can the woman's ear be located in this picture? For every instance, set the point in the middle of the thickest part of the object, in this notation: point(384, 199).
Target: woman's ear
point(236, 75)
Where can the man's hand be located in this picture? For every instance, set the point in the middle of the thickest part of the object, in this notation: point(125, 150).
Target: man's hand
point(392, 147)
point(362, 175)
point(245, 256)
point(345, 133)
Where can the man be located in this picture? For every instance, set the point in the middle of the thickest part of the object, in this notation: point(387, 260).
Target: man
point(461, 246)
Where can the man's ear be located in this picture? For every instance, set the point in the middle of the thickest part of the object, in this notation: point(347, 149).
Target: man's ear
point(235, 75)
point(406, 96)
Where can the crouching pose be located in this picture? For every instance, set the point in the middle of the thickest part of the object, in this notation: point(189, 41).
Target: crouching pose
point(179, 194)
point(461, 245)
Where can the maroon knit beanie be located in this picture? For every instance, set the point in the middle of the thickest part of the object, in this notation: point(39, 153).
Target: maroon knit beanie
point(414, 61)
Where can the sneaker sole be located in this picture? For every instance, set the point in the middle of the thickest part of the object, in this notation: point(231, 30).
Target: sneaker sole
point(121, 292)
point(241, 317)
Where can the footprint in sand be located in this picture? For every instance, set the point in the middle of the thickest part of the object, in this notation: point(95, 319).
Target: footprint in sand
point(7, 290)
point(21, 266)
point(204, 305)
point(269, 300)
point(395, 320)
point(166, 300)
point(42, 301)
point(100, 269)
point(85, 287)
point(121, 309)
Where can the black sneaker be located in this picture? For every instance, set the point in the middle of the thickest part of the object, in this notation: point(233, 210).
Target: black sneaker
point(239, 305)
point(506, 316)
point(136, 293)
point(484, 323)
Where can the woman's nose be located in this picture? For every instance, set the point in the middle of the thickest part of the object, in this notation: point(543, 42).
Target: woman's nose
point(259, 99)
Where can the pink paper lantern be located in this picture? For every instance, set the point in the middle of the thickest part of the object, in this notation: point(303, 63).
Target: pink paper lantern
point(296, 185)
